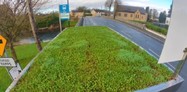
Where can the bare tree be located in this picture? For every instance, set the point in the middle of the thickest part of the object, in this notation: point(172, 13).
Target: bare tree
point(13, 21)
point(116, 4)
point(108, 4)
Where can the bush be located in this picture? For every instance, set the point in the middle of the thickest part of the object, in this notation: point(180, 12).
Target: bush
point(47, 20)
point(72, 23)
point(156, 28)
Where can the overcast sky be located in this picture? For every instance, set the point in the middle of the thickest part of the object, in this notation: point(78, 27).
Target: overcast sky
point(160, 5)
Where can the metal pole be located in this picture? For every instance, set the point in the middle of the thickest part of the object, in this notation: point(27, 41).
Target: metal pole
point(60, 23)
point(69, 15)
point(180, 64)
point(6, 55)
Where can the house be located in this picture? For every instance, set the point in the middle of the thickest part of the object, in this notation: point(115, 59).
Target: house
point(168, 19)
point(125, 12)
point(76, 14)
point(98, 12)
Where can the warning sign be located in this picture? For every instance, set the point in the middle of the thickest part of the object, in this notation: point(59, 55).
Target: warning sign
point(2, 45)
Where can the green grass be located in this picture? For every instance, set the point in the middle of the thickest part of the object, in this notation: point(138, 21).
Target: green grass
point(25, 54)
point(88, 59)
point(72, 23)
point(153, 27)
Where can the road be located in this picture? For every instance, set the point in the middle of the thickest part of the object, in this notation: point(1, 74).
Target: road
point(149, 43)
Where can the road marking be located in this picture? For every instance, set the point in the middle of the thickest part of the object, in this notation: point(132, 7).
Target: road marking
point(171, 66)
point(167, 64)
point(154, 53)
point(129, 35)
point(112, 25)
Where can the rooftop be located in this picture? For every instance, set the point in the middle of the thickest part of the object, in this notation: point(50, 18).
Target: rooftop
point(131, 9)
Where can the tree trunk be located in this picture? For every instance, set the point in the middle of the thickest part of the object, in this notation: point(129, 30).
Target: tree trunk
point(13, 52)
point(115, 9)
point(33, 24)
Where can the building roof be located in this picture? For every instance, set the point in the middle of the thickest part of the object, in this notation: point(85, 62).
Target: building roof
point(131, 9)
point(75, 11)
point(98, 10)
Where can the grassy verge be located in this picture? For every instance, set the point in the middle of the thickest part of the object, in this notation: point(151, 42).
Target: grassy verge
point(25, 53)
point(92, 59)
point(72, 23)
point(154, 27)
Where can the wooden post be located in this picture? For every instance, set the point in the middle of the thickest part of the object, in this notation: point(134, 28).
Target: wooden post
point(69, 15)
point(33, 24)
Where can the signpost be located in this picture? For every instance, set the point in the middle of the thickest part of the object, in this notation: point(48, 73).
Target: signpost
point(2, 45)
point(64, 14)
point(176, 43)
point(8, 63)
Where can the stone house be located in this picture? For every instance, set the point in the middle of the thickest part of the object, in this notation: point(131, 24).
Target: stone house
point(125, 12)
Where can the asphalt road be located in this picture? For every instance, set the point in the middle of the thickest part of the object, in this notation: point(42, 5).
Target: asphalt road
point(149, 43)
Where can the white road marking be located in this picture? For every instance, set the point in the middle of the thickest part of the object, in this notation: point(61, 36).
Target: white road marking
point(129, 35)
point(154, 53)
point(171, 66)
point(112, 25)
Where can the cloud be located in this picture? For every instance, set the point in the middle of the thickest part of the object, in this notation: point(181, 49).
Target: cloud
point(53, 4)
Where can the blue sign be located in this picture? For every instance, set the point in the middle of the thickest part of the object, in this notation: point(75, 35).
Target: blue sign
point(64, 12)
point(64, 8)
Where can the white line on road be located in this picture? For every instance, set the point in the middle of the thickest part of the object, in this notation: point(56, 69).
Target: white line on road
point(171, 66)
point(112, 25)
point(154, 53)
point(129, 35)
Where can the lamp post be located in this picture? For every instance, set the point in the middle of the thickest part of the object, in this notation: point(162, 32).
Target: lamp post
point(69, 15)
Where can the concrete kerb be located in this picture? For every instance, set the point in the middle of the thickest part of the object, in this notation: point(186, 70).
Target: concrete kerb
point(80, 22)
point(13, 84)
point(159, 87)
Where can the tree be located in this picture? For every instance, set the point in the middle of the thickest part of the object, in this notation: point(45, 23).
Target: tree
point(155, 14)
point(170, 10)
point(33, 24)
point(81, 8)
point(148, 13)
point(13, 21)
point(162, 17)
point(116, 4)
point(108, 4)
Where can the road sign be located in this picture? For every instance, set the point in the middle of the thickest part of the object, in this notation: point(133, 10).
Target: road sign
point(176, 41)
point(64, 11)
point(2, 45)
point(7, 62)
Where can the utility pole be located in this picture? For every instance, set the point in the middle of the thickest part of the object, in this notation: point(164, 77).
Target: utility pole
point(69, 15)
point(33, 24)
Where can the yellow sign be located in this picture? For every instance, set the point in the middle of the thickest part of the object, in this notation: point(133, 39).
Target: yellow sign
point(2, 45)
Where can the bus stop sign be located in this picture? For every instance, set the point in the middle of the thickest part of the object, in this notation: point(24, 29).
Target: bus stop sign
point(64, 11)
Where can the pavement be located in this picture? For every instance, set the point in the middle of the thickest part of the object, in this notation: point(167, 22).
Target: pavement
point(152, 44)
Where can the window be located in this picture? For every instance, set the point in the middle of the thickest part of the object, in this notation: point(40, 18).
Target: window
point(119, 14)
point(137, 16)
point(131, 15)
point(125, 15)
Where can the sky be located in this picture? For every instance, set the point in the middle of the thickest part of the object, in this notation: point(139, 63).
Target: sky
point(160, 5)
